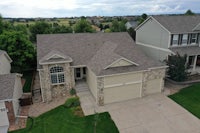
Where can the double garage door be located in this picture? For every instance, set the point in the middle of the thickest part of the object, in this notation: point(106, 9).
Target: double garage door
point(121, 93)
point(128, 86)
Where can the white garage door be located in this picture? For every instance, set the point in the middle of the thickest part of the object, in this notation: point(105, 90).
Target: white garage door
point(123, 92)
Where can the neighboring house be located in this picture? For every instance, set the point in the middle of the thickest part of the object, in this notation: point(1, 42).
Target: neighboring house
point(161, 36)
point(112, 65)
point(5, 61)
point(10, 92)
point(131, 24)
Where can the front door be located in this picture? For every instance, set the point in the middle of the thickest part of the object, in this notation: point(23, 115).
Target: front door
point(78, 73)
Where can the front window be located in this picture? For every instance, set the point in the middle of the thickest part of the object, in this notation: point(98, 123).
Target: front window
point(184, 39)
point(191, 61)
point(194, 38)
point(57, 75)
point(175, 40)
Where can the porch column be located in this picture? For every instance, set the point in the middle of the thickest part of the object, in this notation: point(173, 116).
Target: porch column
point(195, 62)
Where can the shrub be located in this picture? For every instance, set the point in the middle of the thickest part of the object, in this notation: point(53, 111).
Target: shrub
point(72, 102)
point(72, 91)
point(177, 67)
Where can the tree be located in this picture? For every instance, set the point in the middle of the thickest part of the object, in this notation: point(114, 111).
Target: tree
point(189, 13)
point(19, 48)
point(39, 28)
point(142, 18)
point(61, 29)
point(101, 26)
point(118, 26)
point(83, 26)
point(177, 67)
point(132, 33)
point(1, 24)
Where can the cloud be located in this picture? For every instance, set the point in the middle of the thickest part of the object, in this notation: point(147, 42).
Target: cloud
point(63, 8)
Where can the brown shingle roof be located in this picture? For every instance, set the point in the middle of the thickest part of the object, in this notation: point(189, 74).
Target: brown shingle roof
point(188, 50)
point(7, 83)
point(96, 50)
point(178, 24)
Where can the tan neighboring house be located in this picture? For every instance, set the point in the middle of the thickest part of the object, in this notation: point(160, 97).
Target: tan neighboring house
point(112, 65)
point(161, 36)
point(10, 92)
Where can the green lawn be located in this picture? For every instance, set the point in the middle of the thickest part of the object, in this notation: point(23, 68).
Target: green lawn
point(27, 75)
point(63, 120)
point(189, 98)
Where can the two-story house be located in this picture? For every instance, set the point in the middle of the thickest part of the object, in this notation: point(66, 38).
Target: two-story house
point(10, 92)
point(161, 36)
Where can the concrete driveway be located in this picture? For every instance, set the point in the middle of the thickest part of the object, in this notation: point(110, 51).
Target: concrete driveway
point(152, 114)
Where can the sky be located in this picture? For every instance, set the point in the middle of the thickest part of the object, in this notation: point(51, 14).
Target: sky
point(71, 8)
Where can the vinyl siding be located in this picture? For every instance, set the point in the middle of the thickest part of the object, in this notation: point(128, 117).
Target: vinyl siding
point(153, 34)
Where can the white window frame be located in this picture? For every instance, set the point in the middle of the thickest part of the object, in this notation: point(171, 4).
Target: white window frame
point(175, 44)
point(195, 38)
point(184, 38)
point(58, 73)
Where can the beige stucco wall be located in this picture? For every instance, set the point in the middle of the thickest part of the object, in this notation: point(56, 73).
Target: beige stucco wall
point(17, 94)
point(5, 66)
point(92, 82)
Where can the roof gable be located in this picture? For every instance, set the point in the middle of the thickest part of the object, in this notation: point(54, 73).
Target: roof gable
point(149, 19)
point(121, 62)
point(55, 56)
point(2, 52)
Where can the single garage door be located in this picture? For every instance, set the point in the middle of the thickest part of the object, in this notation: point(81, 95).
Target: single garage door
point(153, 86)
point(121, 93)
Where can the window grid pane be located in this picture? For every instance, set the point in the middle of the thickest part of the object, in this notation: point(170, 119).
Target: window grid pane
point(184, 39)
point(61, 78)
point(194, 38)
point(175, 40)
point(57, 75)
point(54, 78)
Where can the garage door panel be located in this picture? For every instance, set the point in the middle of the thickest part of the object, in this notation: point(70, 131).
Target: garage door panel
point(120, 93)
point(153, 86)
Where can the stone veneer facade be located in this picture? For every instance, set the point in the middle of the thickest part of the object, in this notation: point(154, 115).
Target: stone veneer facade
point(50, 91)
point(150, 75)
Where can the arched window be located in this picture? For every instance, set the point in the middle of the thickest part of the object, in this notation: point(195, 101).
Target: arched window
point(57, 75)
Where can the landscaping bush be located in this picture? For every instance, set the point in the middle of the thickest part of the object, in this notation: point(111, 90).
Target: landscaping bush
point(72, 102)
point(72, 91)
